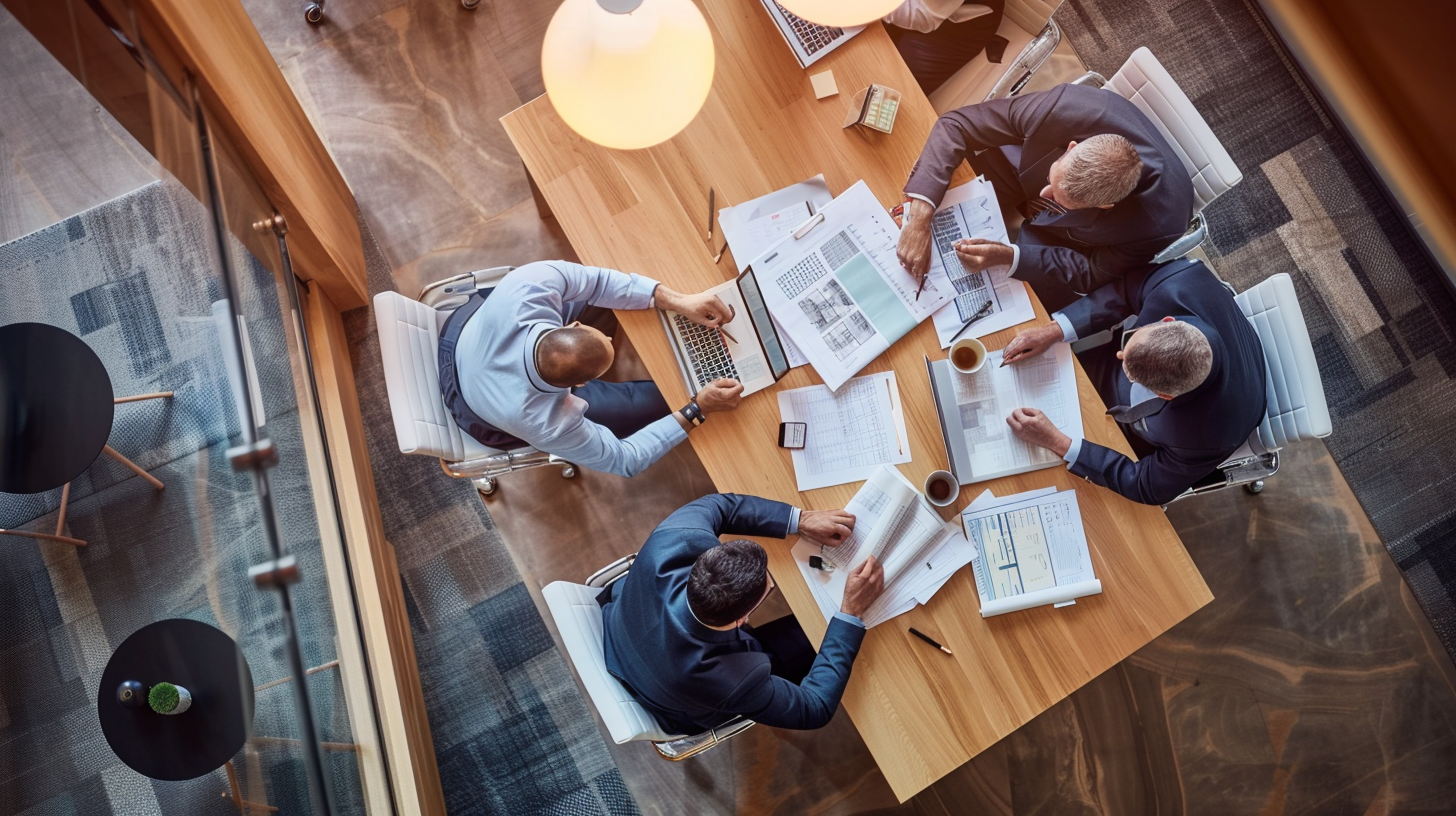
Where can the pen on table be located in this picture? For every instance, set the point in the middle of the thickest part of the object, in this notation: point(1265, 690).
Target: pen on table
point(985, 312)
point(711, 201)
point(926, 638)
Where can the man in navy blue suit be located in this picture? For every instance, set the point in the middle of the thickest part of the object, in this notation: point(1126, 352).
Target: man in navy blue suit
point(1185, 379)
point(676, 627)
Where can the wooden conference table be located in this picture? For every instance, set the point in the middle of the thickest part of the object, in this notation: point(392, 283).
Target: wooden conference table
point(921, 713)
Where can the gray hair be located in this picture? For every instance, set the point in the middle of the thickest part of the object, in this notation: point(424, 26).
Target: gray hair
point(1102, 170)
point(1171, 358)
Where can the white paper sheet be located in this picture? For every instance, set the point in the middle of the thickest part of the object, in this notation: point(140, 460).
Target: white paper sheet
point(851, 432)
point(756, 225)
point(915, 580)
point(1032, 550)
point(971, 211)
point(839, 291)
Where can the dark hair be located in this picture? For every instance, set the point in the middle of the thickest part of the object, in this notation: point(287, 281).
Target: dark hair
point(727, 581)
point(571, 355)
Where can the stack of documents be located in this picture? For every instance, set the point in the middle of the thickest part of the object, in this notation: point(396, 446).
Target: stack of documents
point(836, 287)
point(917, 549)
point(973, 409)
point(1030, 550)
point(851, 432)
point(971, 211)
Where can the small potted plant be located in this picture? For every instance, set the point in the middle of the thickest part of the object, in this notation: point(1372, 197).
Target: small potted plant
point(166, 698)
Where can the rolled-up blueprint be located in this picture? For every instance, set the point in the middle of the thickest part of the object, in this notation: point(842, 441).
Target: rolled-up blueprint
point(1055, 595)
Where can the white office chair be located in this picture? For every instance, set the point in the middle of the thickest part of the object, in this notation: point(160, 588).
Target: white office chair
point(409, 339)
point(579, 620)
point(1297, 407)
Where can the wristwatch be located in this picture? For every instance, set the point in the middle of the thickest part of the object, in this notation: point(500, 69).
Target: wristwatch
point(693, 414)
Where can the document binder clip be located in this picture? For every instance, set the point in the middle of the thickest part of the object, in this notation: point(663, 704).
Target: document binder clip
point(808, 226)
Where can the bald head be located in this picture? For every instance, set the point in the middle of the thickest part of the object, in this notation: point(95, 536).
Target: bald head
point(573, 355)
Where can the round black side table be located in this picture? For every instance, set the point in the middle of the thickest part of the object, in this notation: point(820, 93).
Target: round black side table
point(55, 407)
point(206, 662)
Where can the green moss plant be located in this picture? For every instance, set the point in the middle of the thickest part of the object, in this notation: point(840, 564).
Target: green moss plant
point(163, 698)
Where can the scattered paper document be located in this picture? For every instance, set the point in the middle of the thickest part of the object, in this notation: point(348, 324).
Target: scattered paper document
point(1031, 550)
point(971, 211)
point(754, 226)
point(973, 409)
point(851, 432)
point(837, 288)
point(917, 549)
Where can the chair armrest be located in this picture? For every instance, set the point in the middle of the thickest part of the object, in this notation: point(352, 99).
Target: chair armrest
point(686, 747)
point(1092, 78)
point(452, 292)
point(1197, 231)
point(1031, 58)
point(612, 572)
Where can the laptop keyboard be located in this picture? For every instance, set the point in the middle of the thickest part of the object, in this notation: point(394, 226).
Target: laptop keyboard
point(708, 358)
point(811, 36)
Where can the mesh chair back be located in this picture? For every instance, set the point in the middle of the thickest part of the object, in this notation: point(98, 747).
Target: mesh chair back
point(409, 339)
point(579, 620)
point(1296, 395)
point(1146, 83)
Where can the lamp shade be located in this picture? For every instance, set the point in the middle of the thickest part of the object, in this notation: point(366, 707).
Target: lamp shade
point(840, 12)
point(627, 80)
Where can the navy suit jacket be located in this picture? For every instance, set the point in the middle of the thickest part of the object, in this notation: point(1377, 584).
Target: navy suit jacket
point(1082, 249)
point(1194, 432)
point(690, 677)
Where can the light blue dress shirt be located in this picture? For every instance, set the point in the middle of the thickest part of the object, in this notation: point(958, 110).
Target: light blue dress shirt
point(496, 362)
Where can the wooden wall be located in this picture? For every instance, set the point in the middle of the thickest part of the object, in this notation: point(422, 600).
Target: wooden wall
point(1382, 65)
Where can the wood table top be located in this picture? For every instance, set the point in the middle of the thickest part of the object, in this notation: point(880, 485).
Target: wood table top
point(921, 713)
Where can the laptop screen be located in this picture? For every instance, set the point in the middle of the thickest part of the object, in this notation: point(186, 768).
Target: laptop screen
point(763, 324)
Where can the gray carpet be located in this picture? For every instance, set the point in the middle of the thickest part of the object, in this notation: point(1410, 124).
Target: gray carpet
point(1380, 312)
point(512, 733)
point(133, 279)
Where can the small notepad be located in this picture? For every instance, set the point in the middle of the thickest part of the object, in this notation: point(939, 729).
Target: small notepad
point(824, 84)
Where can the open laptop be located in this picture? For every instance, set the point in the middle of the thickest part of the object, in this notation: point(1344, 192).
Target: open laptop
point(809, 41)
point(753, 356)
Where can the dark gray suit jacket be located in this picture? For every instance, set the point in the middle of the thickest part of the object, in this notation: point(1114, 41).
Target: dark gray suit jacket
point(690, 677)
point(1082, 249)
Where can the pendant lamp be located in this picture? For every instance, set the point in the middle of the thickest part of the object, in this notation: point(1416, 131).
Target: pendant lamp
point(842, 13)
point(627, 74)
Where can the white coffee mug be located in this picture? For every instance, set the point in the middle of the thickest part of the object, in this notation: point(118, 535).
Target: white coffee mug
point(963, 347)
point(952, 489)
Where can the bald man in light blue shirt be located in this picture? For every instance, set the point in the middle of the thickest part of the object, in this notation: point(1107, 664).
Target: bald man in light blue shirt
point(527, 367)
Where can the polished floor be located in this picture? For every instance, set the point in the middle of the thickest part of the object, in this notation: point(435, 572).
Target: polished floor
point(1311, 685)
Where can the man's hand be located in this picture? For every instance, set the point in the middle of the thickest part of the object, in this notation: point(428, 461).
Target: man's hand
point(863, 587)
point(1035, 428)
point(827, 528)
point(720, 395)
point(979, 254)
point(707, 310)
point(914, 247)
point(1031, 343)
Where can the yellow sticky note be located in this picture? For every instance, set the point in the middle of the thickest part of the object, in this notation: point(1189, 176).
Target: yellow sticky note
point(824, 84)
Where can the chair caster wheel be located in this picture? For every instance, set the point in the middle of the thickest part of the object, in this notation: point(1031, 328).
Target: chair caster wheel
point(469, 5)
point(486, 485)
point(568, 472)
point(314, 13)
point(1255, 487)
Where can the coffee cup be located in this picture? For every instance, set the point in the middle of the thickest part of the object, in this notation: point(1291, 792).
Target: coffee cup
point(941, 488)
point(967, 355)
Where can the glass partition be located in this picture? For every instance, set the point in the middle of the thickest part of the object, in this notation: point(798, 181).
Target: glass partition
point(218, 507)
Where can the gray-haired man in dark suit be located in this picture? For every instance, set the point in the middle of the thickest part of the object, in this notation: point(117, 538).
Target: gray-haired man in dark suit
point(1104, 189)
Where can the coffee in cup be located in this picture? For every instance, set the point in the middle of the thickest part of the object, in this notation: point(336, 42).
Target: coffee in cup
point(967, 355)
point(941, 488)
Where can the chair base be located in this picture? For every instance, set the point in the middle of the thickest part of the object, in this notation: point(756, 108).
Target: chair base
point(1249, 472)
point(484, 472)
